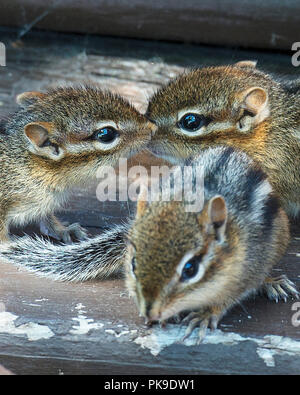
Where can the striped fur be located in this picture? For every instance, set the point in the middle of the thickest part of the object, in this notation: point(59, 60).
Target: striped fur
point(251, 203)
point(231, 244)
point(100, 257)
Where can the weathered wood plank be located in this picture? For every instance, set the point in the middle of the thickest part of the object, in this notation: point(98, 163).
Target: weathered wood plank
point(95, 329)
point(248, 23)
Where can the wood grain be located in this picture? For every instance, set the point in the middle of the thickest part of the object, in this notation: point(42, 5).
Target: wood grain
point(248, 23)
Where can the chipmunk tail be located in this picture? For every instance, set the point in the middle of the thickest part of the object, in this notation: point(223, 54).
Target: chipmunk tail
point(100, 257)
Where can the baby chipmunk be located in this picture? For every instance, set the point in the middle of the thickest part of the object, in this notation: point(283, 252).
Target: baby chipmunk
point(176, 260)
point(57, 140)
point(235, 106)
point(203, 263)
point(238, 106)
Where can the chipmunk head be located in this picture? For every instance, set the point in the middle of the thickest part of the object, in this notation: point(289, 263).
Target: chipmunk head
point(83, 123)
point(205, 106)
point(178, 260)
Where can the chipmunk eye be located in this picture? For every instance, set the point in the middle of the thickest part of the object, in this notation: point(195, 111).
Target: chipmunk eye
point(190, 269)
point(192, 122)
point(106, 135)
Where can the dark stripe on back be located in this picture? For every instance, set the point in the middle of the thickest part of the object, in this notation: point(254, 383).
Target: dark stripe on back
point(270, 211)
point(254, 177)
point(224, 157)
point(189, 161)
point(220, 167)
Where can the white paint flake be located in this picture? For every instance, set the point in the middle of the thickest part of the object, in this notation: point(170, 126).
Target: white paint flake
point(80, 307)
point(84, 324)
point(267, 347)
point(267, 356)
point(32, 330)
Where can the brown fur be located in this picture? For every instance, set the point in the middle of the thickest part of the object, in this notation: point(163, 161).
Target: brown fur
point(36, 177)
point(165, 232)
point(216, 91)
point(236, 239)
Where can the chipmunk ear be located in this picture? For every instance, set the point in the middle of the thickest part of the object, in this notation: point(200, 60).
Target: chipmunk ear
point(27, 98)
point(255, 103)
point(142, 203)
point(38, 133)
point(246, 64)
point(217, 216)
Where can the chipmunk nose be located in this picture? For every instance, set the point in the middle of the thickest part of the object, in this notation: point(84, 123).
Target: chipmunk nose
point(152, 320)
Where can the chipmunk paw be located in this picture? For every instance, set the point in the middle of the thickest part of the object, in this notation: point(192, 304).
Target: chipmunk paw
point(65, 233)
point(279, 288)
point(203, 319)
point(73, 231)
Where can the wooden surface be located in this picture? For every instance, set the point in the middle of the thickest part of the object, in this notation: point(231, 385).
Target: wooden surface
point(272, 24)
point(58, 328)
